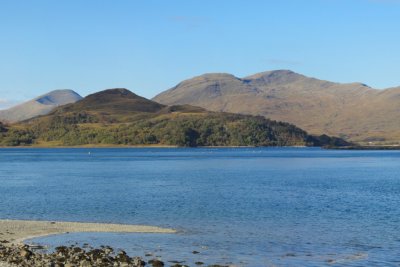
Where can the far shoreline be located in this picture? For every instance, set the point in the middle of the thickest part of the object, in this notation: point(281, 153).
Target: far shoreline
point(361, 147)
point(348, 148)
point(90, 146)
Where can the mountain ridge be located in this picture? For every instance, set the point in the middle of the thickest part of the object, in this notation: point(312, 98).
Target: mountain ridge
point(40, 105)
point(351, 110)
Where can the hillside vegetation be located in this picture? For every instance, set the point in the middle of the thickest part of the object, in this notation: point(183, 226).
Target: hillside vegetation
point(119, 117)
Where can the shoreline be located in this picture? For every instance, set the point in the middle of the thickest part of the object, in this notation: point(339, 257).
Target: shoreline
point(361, 147)
point(90, 146)
point(150, 146)
point(15, 253)
point(17, 231)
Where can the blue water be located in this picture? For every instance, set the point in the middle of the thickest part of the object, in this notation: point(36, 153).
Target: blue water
point(246, 206)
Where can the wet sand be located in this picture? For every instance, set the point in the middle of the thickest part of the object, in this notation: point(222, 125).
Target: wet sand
point(16, 231)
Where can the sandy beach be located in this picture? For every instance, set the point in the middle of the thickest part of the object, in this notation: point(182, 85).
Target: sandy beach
point(16, 231)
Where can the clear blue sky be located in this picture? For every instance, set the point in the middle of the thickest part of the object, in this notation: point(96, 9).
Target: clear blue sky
point(149, 46)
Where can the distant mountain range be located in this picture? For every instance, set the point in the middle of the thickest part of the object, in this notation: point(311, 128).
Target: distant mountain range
point(39, 106)
point(120, 117)
point(353, 111)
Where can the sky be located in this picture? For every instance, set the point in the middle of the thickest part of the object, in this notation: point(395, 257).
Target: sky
point(149, 46)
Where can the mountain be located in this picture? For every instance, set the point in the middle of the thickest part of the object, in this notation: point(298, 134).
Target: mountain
point(113, 101)
point(120, 117)
point(353, 111)
point(39, 106)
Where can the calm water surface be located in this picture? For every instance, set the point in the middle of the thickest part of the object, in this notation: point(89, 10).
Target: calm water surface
point(247, 206)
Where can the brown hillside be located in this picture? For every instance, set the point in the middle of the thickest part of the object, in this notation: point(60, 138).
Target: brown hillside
point(118, 100)
point(119, 105)
point(353, 110)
